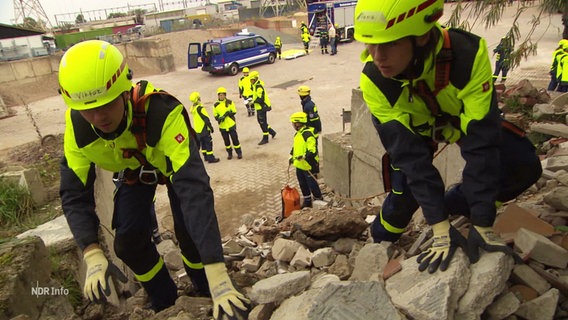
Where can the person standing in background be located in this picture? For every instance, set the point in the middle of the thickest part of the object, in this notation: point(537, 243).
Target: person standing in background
point(202, 126)
point(245, 91)
point(332, 39)
point(503, 59)
point(224, 111)
point(278, 46)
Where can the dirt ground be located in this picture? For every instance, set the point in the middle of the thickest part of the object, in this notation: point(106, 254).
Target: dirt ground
point(251, 185)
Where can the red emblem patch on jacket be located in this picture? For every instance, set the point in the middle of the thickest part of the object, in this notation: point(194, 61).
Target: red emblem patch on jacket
point(180, 138)
point(486, 86)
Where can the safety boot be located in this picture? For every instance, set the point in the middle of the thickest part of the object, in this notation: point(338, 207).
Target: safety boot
point(307, 202)
point(239, 153)
point(212, 159)
point(264, 140)
point(272, 132)
point(229, 154)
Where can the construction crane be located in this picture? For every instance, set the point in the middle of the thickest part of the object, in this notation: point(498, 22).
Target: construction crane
point(24, 9)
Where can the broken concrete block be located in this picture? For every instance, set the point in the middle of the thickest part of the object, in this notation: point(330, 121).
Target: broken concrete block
point(526, 275)
point(541, 308)
point(541, 249)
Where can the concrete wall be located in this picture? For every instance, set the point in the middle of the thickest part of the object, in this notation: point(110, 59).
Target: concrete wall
point(352, 162)
point(154, 54)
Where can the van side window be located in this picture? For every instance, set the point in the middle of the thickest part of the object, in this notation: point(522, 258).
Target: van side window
point(247, 43)
point(233, 46)
point(260, 42)
point(212, 50)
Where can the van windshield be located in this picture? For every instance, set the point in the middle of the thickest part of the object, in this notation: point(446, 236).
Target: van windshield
point(212, 49)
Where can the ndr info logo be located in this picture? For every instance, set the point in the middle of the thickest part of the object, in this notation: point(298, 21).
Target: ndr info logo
point(48, 291)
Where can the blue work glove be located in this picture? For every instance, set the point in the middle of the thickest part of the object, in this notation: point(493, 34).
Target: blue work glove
point(486, 239)
point(228, 303)
point(99, 270)
point(446, 240)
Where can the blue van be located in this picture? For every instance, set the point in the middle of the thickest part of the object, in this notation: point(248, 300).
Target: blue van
point(228, 55)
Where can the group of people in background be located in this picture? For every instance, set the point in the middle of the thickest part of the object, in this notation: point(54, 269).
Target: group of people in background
point(307, 123)
point(327, 37)
point(559, 68)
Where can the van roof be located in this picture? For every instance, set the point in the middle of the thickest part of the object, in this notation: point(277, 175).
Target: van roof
point(238, 36)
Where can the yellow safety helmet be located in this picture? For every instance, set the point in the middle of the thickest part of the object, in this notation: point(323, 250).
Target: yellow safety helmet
point(304, 91)
point(254, 75)
point(299, 117)
point(221, 90)
point(91, 74)
point(245, 69)
point(389, 20)
point(194, 97)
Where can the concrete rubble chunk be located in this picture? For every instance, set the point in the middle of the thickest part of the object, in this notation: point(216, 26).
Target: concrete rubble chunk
point(54, 233)
point(526, 275)
point(284, 249)
point(280, 287)
point(323, 257)
point(370, 263)
point(557, 198)
point(488, 278)
point(340, 301)
point(553, 129)
point(302, 258)
point(427, 296)
point(541, 308)
point(503, 307)
point(541, 248)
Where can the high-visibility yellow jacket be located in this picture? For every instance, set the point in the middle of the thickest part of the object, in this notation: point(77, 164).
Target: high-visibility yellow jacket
point(404, 123)
point(170, 148)
point(245, 87)
point(260, 97)
point(305, 150)
point(200, 118)
point(224, 112)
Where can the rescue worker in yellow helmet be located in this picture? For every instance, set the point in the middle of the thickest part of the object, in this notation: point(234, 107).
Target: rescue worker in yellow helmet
point(304, 156)
point(412, 114)
point(203, 127)
point(310, 109)
point(262, 106)
point(245, 91)
point(562, 70)
point(306, 41)
point(553, 84)
point(278, 46)
point(95, 83)
point(224, 111)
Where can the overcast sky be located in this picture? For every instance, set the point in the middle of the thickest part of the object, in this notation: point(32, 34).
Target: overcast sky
point(53, 7)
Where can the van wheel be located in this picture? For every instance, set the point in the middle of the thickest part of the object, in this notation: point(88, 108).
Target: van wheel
point(271, 58)
point(233, 69)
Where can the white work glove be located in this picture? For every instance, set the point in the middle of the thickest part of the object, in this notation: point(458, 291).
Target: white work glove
point(226, 299)
point(99, 271)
